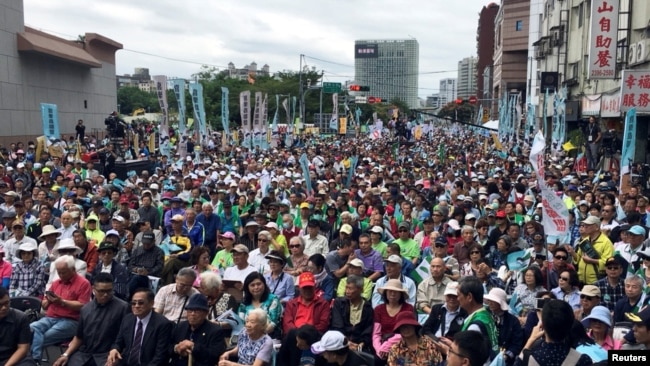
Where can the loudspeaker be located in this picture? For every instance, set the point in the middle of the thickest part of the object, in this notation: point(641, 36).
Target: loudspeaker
point(123, 167)
point(549, 81)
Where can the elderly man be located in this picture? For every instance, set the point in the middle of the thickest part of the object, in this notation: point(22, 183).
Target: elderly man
point(594, 248)
point(171, 299)
point(197, 336)
point(144, 335)
point(99, 323)
point(314, 241)
point(240, 268)
point(11, 245)
point(612, 287)
point(211, 223)
point(67, 225)
point(62, 304)
point(431, 291)
point(470, 298)
point(177, 260)
point(307, 309)
point(372, 259)
point(394, 271)
point(445, 319)
point(257, 258)
point(146, 260)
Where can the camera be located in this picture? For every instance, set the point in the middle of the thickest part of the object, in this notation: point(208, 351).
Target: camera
point(115, 126)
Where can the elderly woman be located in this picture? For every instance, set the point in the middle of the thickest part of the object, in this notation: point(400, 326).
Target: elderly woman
point(257, 295)
point(412, 348)
point(219, 301)
point(297, 260)
point(353, 316)
point(254, 346)
point(599, 323)
point(278, 241)
point(567, 289)
point(324, 281)
point(386, 314)
point(28, 276)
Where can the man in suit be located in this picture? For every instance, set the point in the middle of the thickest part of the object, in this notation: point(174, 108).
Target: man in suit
point(446, 319)
point(197, 336)
point(144, 335)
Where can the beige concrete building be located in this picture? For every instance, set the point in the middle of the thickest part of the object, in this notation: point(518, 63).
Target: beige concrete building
point(510, 49)
point(35, 67)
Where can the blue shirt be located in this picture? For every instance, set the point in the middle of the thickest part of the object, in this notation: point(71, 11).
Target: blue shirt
point(282, 287)
point(211, 225)
point(573, 298)
point(196, 233)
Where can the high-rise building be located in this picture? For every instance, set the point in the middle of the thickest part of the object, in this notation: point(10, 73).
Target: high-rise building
point(447, 91)
point(389, 68)
point(433, 101)
point(485, 52)
point(466, 81)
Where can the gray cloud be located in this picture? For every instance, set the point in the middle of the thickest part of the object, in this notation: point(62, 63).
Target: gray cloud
point(272, 32)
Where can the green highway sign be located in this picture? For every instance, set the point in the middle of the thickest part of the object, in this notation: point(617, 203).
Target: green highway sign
point(331, 88)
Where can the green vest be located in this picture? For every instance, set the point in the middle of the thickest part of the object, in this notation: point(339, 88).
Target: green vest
point(484, 317)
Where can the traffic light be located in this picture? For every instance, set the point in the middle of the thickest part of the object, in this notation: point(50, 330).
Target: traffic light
point(359, 88)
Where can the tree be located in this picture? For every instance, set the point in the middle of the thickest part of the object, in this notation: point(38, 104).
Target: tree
point(131, 98)
point(463, 112)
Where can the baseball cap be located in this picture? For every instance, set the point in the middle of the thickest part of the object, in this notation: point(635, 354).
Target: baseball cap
point(345, 228)
point(240, 248)
point(332, 340)
point(306, 279)
point(357, 263)
point(590, 290)
point(148, 237)
point(393, 258)
point(591, 220)
point(636, 230)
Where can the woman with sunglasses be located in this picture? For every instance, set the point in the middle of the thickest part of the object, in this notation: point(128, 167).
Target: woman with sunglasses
point(471, 268)
point(527, 291)
point(297, 260)
point(567, 289)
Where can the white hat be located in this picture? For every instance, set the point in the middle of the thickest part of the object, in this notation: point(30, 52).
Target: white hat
point(271, 225)
point(332, 340)
point(154, 186)
point(470, 216)
point(357, 263)
point(64, 244)
point(499, 296)
point(47, 230)
point(377, 230)
point(451, 289)
point(454, 225)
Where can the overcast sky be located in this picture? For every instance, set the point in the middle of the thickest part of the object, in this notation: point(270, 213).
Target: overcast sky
point(174, 38)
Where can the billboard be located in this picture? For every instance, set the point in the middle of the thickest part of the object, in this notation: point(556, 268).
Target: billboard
point(603, 30)
point(368, 50)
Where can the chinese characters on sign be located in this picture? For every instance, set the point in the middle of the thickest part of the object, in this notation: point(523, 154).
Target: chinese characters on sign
point(603, 37)
point(635, 90)
point(368, 50)
point(610, 105)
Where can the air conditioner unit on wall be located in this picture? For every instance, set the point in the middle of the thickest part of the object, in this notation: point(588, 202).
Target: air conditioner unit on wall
point(643, 51)
point(632, 54)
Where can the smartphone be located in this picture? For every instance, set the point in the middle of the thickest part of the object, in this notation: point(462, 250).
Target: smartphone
point(540, 303)
point(50, 294)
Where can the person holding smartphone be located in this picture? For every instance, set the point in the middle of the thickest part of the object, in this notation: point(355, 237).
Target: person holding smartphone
point(62, 305)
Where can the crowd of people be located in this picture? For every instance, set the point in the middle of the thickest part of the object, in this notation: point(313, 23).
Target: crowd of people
point(384, 251)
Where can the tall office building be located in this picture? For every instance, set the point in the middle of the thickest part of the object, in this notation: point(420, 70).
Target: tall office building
point(389, 68)
point(447, 91)
point(466, 82)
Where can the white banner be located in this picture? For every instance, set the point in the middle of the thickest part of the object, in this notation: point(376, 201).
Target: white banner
point(610, 105)
point(603, 29)
point(635, 91)
point(161, 92)
point(555, 217)
point(245, 111)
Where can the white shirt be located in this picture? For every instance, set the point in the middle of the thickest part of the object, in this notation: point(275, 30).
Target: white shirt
point(319, 244)
point(256, 260)
point(235, 274)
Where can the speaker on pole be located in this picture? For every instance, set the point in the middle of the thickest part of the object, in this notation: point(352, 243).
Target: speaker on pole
point(549, 81)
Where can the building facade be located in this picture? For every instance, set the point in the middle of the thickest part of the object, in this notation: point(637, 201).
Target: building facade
point(77, 76)
point(247, 71)
point(447, 91)
point(485, 52)
point(510, 60)
point(563, 49)
point(466, 81)
point(389, 67)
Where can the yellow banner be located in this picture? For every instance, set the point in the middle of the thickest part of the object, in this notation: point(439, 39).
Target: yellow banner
point(418, 133)
point(343, 125)
point(497, 143)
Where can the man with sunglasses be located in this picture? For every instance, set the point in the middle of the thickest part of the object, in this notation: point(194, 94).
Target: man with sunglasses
point(612, 287)
point(559, 264)
point(589, 297)
point(99, 323)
